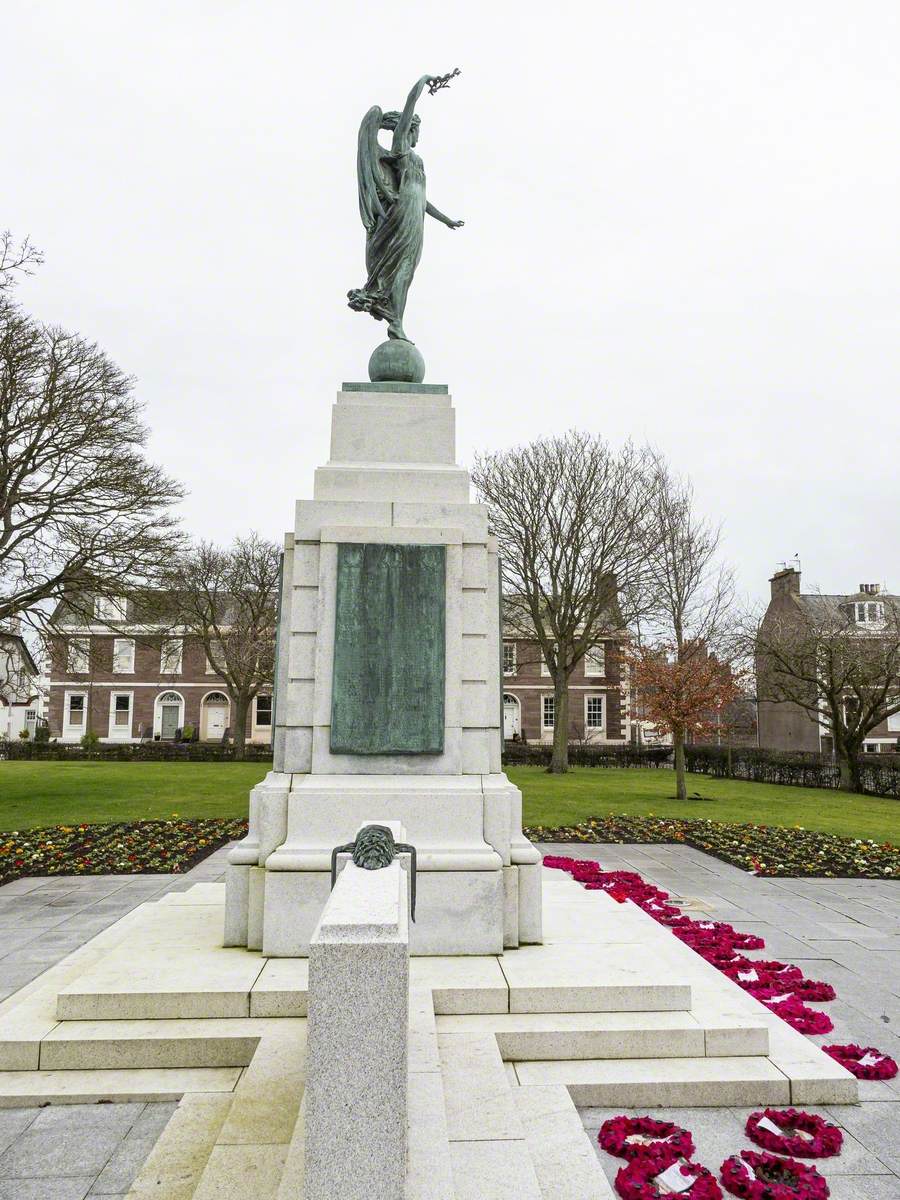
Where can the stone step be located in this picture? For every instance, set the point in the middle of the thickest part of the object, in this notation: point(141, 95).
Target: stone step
point(93, 1087)
point(575, 977)
point(494, 1170)
point(174, 1166)
point(548, 1036)
point(663, 1082)
point(563, 1158)
point(242, 1148)
point(110, 1045)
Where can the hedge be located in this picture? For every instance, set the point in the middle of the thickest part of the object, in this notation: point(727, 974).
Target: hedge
point(526, 754)
point(880, 772)
point(133, 752)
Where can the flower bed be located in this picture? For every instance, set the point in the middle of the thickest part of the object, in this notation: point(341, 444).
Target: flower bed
point(144, 847)
point(761, 849)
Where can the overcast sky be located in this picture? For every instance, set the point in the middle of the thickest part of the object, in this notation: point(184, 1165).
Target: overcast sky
point(681, 225)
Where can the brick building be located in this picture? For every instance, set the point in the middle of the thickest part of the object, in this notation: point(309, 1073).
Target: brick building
point(788, 726)
point(127, 680)
point(598, 694)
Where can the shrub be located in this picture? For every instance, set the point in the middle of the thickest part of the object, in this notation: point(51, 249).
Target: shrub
point(880, 772)
point(523, 754)
point(132, 752)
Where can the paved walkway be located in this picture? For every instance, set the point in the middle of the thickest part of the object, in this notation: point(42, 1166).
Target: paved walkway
point(845, 931)
point(70, 1151)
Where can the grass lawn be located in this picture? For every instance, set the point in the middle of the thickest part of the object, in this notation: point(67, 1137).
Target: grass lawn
point(72, 793)
point(553, 800)
point(58, 793)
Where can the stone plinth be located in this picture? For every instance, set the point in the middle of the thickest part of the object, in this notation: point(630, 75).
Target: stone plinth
point(391, 481)
point(358, 1038)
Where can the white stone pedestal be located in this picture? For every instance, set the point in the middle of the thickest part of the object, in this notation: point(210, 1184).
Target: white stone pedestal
point(391, 479)
point(358, 1041)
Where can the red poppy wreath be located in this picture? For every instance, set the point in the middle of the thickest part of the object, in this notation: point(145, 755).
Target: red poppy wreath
point(799, 1016)
point(788, 1131)
point(630, 1137)
point(865, 1062)
point(755, 1176)
point(641, 1179)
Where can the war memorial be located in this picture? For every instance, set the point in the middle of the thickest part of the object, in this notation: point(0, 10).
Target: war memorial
point(390, 997)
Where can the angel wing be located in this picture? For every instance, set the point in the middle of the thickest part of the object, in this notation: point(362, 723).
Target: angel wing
point(370, 180)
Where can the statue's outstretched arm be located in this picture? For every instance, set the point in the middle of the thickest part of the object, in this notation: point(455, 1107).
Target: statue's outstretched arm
point(439, 216)
point(401, 133)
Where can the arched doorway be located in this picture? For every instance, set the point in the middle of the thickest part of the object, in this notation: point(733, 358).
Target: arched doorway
point(512, 717)
point(168, 716)
point(214, 710)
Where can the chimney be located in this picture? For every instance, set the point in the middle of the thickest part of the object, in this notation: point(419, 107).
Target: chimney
point(870, 589)
point(786, 582)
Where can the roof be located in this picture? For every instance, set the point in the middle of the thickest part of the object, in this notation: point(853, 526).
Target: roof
point(17, 640)
point(833, 608)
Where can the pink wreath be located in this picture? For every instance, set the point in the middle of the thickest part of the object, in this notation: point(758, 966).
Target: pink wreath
point(799, 1017)
point(812, 989)
point(876, 1066)
point(669, 1141)
point(636, 1181)
point(824, 1141)
point(747, 941)
point(764, 1177)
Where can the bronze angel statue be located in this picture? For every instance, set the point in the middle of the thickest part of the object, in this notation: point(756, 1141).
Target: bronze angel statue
point(393, 205)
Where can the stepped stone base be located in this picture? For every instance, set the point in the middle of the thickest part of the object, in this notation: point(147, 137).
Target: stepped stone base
point(613, 1010)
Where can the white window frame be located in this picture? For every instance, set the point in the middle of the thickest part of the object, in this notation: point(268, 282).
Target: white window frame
point(601, 728)
point(110, 608)
point(893, 723)
point(595, 669)
point(545, 696)
point(70, 731)
point(513, 670)
point(869, 612)
point(78, 656)
point(120, 733)
point(117, 644)
point(168, 665)
point(256, 700)
point(545, 669)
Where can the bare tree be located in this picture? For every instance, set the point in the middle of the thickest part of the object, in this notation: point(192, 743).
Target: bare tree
point(844, 676)
point(571, 516)
point(82, 511)
point(228, 600)
point(690, 617)
point(16, 259)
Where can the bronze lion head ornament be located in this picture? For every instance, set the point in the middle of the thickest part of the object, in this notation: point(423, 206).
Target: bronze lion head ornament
point(373, 849)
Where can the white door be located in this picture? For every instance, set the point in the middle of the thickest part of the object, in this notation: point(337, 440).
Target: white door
point(511, 717)
point(216, 721)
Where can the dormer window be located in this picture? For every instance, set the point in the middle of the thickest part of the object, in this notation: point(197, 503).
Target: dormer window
point(110, 608)
point(868, 612)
